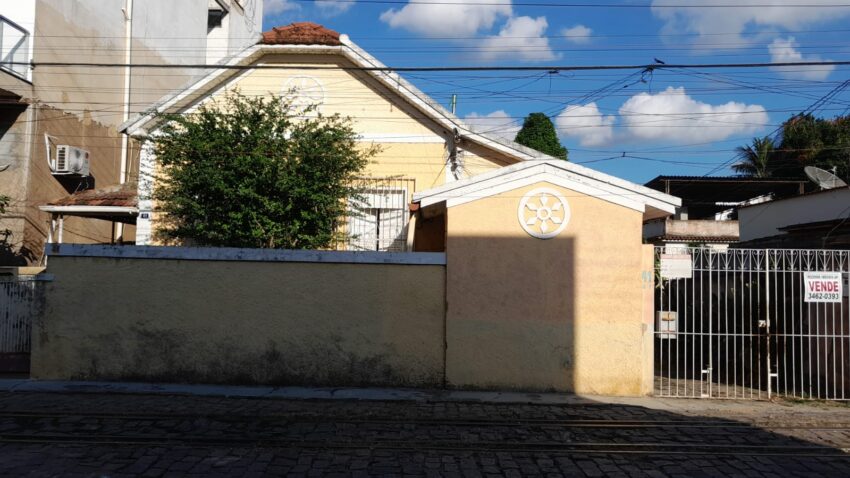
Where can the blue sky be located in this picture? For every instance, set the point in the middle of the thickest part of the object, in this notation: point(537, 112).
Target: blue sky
point(626, 123)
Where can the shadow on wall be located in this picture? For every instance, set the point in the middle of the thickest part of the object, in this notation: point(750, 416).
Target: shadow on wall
point(13, 254)
point(505, 312)
point(74, 184)
point(510, 315)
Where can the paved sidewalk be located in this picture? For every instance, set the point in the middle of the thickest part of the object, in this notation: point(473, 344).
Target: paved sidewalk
point(742, 408)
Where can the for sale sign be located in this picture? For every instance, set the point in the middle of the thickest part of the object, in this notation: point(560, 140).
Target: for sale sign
point(823, 286)
point(676, 266)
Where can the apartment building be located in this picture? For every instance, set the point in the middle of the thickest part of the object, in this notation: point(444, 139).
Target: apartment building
point(71, 71)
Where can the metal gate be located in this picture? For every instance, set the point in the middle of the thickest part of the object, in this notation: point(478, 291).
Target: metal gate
point(20, 302)
point(752, 323)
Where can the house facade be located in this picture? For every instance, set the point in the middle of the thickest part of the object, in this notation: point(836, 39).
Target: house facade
point(815, 220)
point(708, 216)
point(518, 270)
point(421, 144)
point(59, 121)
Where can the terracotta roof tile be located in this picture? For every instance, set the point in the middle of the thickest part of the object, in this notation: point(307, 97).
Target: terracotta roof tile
point(301, 33)
point(125, 195)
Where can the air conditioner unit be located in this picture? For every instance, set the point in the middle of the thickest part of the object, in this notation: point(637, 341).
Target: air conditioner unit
point(71, 160)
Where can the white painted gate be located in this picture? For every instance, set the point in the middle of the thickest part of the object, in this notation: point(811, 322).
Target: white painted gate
point(739, 323)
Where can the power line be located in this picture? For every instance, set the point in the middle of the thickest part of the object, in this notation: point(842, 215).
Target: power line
point(172, 39)
point(598, 5)
point(559, 68)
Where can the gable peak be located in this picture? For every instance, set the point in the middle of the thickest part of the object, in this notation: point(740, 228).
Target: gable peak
point(301, 33)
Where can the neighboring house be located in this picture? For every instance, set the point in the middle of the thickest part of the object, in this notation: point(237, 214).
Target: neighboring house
point(815, 220)
point(48, 107)
point(708, 216)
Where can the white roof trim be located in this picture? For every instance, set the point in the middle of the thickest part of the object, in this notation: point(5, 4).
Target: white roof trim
point(106, 210)
point(349, 50)
point(214, 78)
point(514, 183)
point(558, 172)
point(246, 255)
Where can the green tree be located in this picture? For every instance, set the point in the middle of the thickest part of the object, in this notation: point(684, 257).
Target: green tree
point(811, 141)
point(756, 159)
point(4, 202)
point(539, 133)
point(255, 172)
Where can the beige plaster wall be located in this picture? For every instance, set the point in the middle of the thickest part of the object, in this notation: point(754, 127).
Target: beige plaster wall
point(564, 314)
point(241, 322)
point(416, 147)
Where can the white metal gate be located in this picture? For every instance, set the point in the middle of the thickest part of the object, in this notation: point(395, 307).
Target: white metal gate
point(739, 323)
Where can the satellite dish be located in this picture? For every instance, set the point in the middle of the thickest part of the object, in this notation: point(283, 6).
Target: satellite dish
point(824, 179)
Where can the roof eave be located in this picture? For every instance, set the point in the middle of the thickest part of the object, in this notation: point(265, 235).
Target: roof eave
point(84, 209)
point(212, 78)
point(351, 51)
point(651, 203)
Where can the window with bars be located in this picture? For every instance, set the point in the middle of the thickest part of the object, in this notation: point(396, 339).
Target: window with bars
point(379, 215)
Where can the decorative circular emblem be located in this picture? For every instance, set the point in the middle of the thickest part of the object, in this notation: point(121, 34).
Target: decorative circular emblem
point(543, 213)
point(303, 91)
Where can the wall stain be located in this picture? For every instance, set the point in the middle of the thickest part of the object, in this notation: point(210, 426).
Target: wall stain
point(172, 356)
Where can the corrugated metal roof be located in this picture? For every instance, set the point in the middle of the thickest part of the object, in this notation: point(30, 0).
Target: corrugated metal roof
point(743, 179)
point(711, 239)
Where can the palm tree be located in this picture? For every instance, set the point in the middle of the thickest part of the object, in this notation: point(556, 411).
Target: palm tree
point(755, 159)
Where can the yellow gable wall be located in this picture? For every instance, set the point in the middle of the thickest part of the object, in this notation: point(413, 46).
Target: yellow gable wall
point(418, 146)
point(567, 313)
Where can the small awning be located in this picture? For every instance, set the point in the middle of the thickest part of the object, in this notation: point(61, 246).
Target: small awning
point(118, 203)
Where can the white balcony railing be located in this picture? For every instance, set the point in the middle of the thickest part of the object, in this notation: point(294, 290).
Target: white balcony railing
point(14, 48)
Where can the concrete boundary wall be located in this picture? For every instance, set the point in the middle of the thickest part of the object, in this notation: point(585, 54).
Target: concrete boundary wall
point(247, 255)
point(242, 316)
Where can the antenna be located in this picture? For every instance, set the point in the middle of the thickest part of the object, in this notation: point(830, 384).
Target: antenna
point(824, 179)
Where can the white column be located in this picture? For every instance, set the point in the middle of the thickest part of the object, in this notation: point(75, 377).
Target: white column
point(61, 228)
point(144, 228)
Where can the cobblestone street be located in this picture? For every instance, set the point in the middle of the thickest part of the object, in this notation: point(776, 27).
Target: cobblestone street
point(80, 434)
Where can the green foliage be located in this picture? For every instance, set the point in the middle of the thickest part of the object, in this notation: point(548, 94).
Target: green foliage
point(805, 141)
point(539, 133)
point(4, 203)
point(810, 141)
point(756, 159)
point(255, 172)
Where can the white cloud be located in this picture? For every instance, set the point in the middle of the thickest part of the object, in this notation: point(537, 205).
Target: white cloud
point(451, 18)
point(274, 7)
point(521, 38)
point(587, 124)
point(781, 13)
point(579, 34)
point(497, 123)
point(333, 7)
point(672, 115)
point(784, 50)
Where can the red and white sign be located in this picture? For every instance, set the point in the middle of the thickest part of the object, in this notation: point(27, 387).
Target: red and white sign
point(823, 286)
